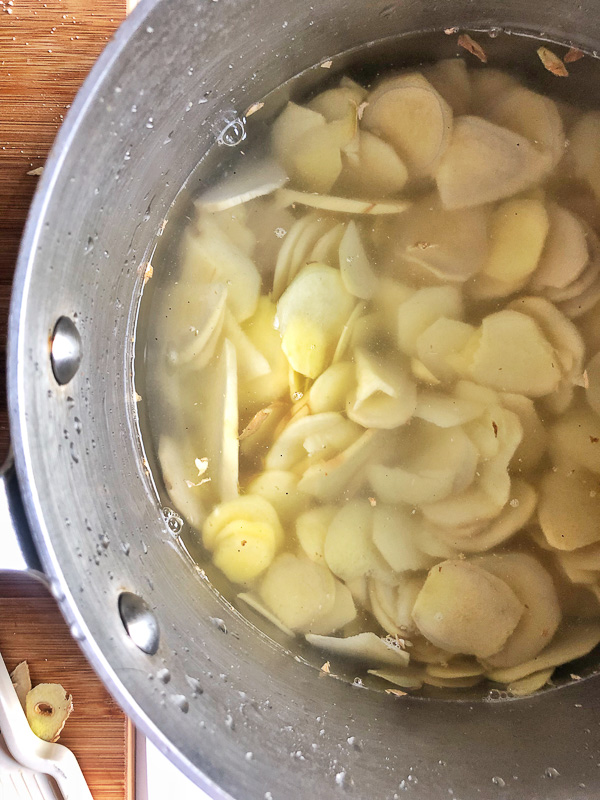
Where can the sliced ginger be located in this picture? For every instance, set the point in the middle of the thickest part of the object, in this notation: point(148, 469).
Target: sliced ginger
point(485, 162)
point(407, 112)
point(48, 707)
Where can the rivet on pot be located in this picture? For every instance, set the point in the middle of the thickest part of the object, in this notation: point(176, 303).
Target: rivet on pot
point(139, 621)
point(65, 350)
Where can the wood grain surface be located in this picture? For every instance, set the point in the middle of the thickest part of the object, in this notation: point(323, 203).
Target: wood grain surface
point(46, 49)
point(32, 629)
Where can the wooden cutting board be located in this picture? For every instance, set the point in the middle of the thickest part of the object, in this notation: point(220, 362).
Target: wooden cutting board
point(98, 732)
point(46, 49)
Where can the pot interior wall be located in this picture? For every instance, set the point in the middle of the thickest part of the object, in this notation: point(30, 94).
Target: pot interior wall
point(161, 94)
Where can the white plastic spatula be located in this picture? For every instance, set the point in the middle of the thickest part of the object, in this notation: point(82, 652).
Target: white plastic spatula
point(36, 758)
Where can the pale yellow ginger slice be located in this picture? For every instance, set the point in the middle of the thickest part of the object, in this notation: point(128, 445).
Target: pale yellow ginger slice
point(434, 464)
point(396, 536)
point(513, 517)
point(442, 340)
point(485, 162)
point(256, 604)
point(530, 684)
point(569, 508)
point(575, 438)
point(421, 310)
point(531, 115)
point(467, 508)
point(244, 535)
point(451, 245)
point(307, 147)
point(310, 317)
point(487, 86)
point(382, 598)
point(558, 330)
point(509, 353)
point(573, 640)
point(452, 683)
point(518, 230)
point(21, 680)
point(315, 163)
point(280, 488)
point(541, 616)
point(458, 667)
point(484, 287)
point(446, 410)
point(341, 614)
point(48, 707)
point(349, 550)
point(359, 93)
point(326, 248)
point(464, 609)
point(450, 78)
point(409, 678)
point(565, 254)
point(200, 318)
point(407, 112)
point(264, 389)
point(584, 138)
point(365, 647)
point(180, 476)
point(385, 395)
point(359, 590)
point(341, 205)
point(298, 591)
point(249, 181)
point(372, 167)
point(311, 531)
point(343, 474)
point(289, 449)
point(292, 124)
point(356, 271)
point(251, 362)
point(333, 103)
point(592, 389)
point(534, 442)
point(217, 395)
point(302, 235)
point(351, 333)
point(578, 287)
point(211, 257)
point(330, 390)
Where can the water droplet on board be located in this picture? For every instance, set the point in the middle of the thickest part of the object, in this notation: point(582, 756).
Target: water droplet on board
point(497, 781)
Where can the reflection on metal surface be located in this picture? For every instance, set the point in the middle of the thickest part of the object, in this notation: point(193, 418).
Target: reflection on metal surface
point(139, 621)
point(65, 351)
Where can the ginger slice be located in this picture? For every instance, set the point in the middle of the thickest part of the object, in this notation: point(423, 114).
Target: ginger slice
point(21, 680)
point(48, 707)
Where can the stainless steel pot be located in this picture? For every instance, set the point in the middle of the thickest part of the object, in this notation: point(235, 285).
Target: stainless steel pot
point(237, 713)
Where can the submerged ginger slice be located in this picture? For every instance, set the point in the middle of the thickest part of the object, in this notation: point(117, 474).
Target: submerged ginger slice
point(407, 112)
point(465, 609)
point(485, 162)
point(48, 707)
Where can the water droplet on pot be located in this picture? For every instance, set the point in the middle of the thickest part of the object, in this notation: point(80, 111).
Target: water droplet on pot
point(163, 675)
point(181, 701)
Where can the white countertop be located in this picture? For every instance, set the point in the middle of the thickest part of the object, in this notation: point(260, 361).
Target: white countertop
point(157, 778)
